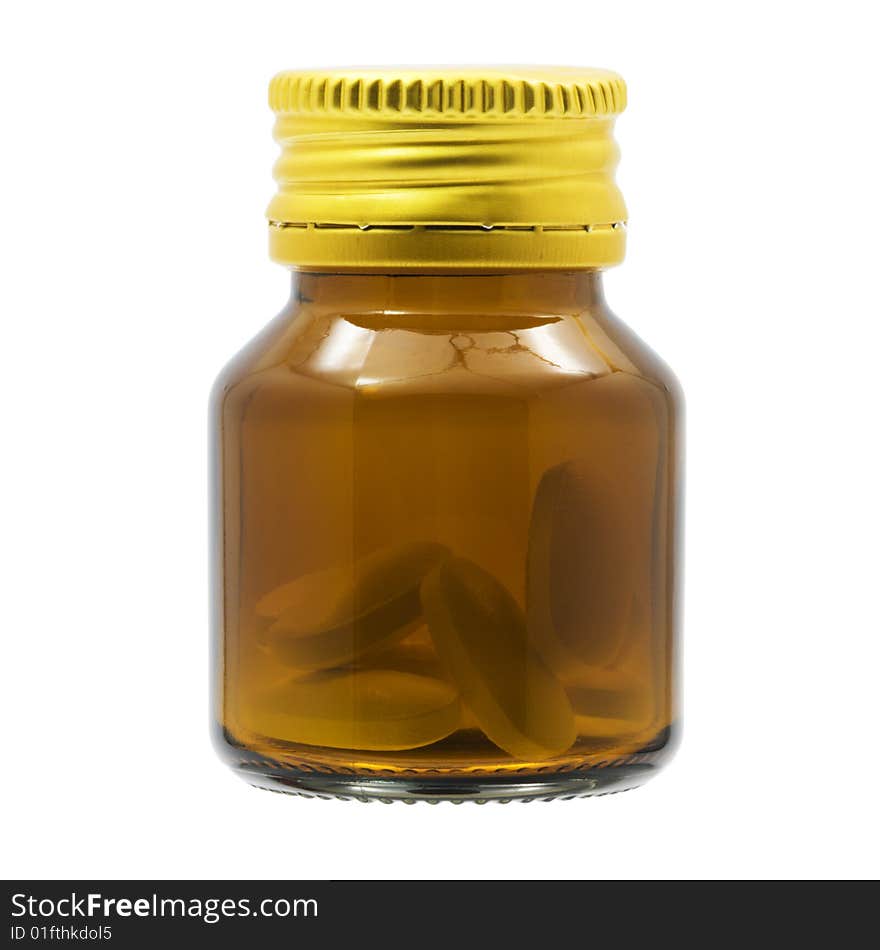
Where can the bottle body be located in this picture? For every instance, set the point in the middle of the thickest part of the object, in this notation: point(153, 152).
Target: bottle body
point(446, 532)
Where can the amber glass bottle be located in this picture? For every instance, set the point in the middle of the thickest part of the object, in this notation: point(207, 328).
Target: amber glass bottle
point(446, 476)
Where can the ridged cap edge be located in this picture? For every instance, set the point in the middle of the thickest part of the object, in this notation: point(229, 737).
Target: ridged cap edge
point(450, 93)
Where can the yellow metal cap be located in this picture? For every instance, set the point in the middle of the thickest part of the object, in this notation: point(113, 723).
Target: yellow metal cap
point(436, 168)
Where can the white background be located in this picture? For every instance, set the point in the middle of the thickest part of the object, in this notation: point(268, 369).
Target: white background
point(135, 170)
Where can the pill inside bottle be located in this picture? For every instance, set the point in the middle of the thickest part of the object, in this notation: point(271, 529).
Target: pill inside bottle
point(370, 709)
point(480, 635)
point(335, 616)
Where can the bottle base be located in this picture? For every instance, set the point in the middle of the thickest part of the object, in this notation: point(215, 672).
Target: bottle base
point(480, 788)
point(480, 792)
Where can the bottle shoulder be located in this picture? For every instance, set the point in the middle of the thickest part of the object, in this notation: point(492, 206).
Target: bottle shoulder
point(257, 354)
point(312, 353)
point(646, 363)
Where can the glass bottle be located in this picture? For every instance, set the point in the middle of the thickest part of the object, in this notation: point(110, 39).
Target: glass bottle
point(446, 475)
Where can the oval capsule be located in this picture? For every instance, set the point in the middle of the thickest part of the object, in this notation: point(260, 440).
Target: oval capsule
point(416, 654)
point(480, 635)
point(609, 703)
point(582, 572)
point(372, 710)
point(333, 617)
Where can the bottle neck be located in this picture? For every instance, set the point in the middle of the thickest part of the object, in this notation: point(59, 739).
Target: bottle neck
point(552, 292)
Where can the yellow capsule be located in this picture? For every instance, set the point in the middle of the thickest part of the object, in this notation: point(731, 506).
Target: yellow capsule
point(372, 710)
point(480, 635)
point(609, 703)
point(333, 617)
point(416, 654)
point(585, 566)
